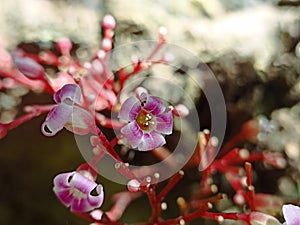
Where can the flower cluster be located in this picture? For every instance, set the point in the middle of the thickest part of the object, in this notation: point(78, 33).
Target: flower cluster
point(83, 93)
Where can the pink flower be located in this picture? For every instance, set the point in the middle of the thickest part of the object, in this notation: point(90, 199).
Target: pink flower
point(148, 120)
point(291, 214)
point(68, 113)
point(74, 190)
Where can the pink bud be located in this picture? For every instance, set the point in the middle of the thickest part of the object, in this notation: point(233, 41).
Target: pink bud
point(64, 46)
point(96, 214)
point(133, 185)
point(141, 93)
point(106, 44)
point(108, 22)
point(162, 32)
point(180, 110)
point(30, 68)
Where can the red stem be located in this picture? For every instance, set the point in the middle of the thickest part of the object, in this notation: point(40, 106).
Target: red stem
point(174, 180)
point(122, 168)
point(33, 111)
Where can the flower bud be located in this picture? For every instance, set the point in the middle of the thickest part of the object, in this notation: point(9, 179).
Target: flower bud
point(133, 185)
point(106, 44)
point(64, 46)
point(30, 68)
point(180, 110)
point(141, 93)
point(108, 22)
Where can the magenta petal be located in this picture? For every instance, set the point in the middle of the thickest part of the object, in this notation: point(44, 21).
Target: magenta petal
point(154, 105)
point(82, 183)
point(96, 201)
point(291, 214)
point(56, 119)
point(151, 140)
point(80, 205)
point(70, 93)
point(61, 181)
point(164, 122)
point(133, 133)
point(65, 196)
point(129, 109)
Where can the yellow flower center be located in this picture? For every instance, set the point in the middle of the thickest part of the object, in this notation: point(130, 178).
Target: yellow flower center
point(145, 120)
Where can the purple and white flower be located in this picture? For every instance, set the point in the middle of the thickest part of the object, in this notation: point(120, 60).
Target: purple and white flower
point(148, 119)
point(75, 191)
point(67, 113)
point(291, 214)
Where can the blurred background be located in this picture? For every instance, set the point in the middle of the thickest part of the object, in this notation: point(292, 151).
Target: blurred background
point(251, 46)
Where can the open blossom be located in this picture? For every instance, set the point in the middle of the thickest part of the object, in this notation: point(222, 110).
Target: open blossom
point(67, 114)
point(148, 120)
point(291, 214)
point(74, 191)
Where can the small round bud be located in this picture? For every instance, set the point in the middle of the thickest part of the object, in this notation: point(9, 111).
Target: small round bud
point(239, 199)
point(101, 54)
point(133, 185)
point(162, 32)
point(182, 222)
point(96, 214)
point(180, 110)
point(109, 22)
point(163, 206)
point(64, 46)
point(106, 44)
point(141, 93)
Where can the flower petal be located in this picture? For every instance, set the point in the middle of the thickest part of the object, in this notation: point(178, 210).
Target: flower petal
point(291, 214)
point(133, 133)
point(82, 183)
point(81, 121)
point(56, 119)
point(96, 201)
point(129, 109)
point(80, 205)
point(151, 140)
point(154, 105)
point(60, 80)
point(164, 122)
point(61, 181)
point(69, 94)
point(65, 196)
